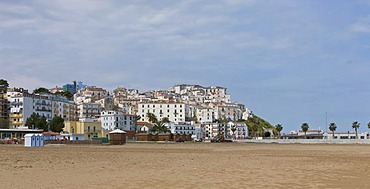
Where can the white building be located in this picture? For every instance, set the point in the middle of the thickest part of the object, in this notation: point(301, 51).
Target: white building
point(63, 108)
point(89, 110)
point(346, 135)
point(21, 107)
point(174, 111)
point(111, 120)
point(211, 130)
point(187, 128)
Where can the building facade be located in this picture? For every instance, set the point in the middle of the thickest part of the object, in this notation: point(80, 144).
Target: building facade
point(174, 111)
point(111, 120)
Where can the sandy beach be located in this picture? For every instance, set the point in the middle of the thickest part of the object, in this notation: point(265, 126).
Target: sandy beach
point(186, 165)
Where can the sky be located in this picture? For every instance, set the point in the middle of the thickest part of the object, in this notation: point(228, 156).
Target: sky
point(288, 61)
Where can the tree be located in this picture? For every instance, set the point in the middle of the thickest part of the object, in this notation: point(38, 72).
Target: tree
point(41, 90)
point(4, 123)
point(4, 82)
point(305, 128)
point(36, 121)
point(165, 120)
point(257, 125)
point(233, 129)
point(356, 125)
point(67, 94)
point(332, 127)
point(152, 118)
point(57, 124)
point(279, 128)
point(159, 127)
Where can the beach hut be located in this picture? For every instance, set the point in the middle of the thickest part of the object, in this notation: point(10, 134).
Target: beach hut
point(28, 138)
point(117, 137)
point(41, 140)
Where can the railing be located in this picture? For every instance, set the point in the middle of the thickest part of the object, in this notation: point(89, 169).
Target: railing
point(92, 131)
point(43, 109)
point(16, 115)
point(16, 103)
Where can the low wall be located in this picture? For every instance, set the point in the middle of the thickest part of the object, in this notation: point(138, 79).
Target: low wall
point(307, 141)
point(78, 142)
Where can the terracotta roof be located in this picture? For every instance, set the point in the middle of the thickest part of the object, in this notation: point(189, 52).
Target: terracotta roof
point(144, 123)
point(50, 133)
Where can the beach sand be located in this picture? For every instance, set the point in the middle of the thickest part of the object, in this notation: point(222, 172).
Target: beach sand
point(186, 165)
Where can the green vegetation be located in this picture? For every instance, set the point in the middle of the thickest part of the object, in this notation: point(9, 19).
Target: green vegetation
point(67, 94)
point(278, 129)
point(159, 126)
point(4, 123)
point(257, 126)
point(57, 124)
point(332, 128)
point(305, 128)
point(41, 90)
point(4, 82)
point(37, 121)
point(356, 125)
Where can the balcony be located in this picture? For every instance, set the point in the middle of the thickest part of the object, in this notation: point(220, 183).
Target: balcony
point(16, 103)
point(92, 131)
point(16, 122)
point(43, 109)
point(16, 115)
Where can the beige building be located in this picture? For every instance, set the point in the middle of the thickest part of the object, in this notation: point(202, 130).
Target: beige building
point(88, 128)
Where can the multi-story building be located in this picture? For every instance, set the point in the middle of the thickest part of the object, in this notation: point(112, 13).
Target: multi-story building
point(111, 120)
point(85, 128)
point(74, 87)
point(107, 103)
point(42, 106)
point(174, 111)
point(4, 105)
point(21, 106)
point(211, 130)
point(90, 92)
point(64, 108)
point(88, 110)
point(182, 128)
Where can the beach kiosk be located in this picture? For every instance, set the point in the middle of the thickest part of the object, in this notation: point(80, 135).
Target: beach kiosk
point(117, 137)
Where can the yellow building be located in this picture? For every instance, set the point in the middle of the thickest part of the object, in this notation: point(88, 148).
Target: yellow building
point(89, 129)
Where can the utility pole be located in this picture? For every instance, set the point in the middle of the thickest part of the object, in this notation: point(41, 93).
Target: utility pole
point(326, 123)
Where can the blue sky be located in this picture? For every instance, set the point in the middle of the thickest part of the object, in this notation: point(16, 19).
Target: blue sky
point(288, 61)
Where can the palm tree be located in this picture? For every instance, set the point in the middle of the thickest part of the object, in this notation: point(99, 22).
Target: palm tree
point(368, 125)
point(305, 128)
point(152, 118)
point(356, 125)
point(332, 128)
point(233, 129)
point(165, 120)
point(279, 128)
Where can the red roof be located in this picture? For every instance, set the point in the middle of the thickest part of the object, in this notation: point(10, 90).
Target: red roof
point(50, 133)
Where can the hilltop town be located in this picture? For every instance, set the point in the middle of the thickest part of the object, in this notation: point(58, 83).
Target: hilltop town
point(91, 112)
